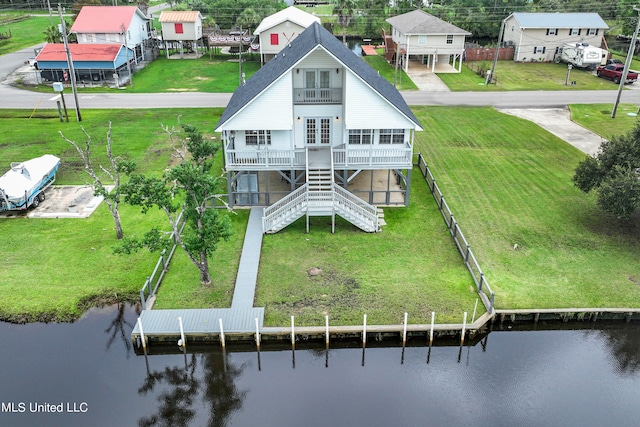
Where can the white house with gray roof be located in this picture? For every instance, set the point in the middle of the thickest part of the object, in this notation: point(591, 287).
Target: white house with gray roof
point(317, 132)
point(420, 36)
point(278, 30)
point(541, 36)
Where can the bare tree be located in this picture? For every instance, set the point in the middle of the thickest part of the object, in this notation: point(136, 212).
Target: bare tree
point(118, 166)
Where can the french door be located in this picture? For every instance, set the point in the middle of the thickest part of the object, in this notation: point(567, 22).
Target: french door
point(317, 130)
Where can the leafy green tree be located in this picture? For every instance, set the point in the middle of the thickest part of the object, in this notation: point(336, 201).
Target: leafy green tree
point(344, 10)
point(614, 174)
point(117, 167)
point(188, 188)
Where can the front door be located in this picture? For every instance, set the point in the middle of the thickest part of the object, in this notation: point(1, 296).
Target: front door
point(317, 131)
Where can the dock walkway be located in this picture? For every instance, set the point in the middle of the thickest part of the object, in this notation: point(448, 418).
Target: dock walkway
point(240, 318)
point(369, 50)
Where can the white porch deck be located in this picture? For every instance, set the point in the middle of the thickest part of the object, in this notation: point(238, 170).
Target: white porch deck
point(393, 157)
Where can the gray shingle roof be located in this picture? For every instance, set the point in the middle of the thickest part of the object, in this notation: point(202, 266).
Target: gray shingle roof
point(311, 38)
point(420, 22)
point(559, 20)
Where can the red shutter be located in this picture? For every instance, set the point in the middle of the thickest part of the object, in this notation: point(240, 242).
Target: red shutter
point(274, 39)
point(178, 28)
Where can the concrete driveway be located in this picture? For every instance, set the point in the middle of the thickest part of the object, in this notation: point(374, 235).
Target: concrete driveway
point(558, 122)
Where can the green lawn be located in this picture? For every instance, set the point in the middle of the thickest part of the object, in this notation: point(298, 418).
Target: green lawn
point(54, 268)
point(24, 33)
point(378, 63)
point(411, 266)
point(597, 118)
point(507, 182)
point(512, 76)
point(516, 189)
point(220, 74)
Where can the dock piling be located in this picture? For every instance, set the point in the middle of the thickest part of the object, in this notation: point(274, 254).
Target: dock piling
point(144, 342)
point(364, 332)
point(326, 335)
point(433, 318)
point(183, 341)
point(404, 331)
point(293, 334)
point(464, 325)
point(257, 335)
point(221, 334)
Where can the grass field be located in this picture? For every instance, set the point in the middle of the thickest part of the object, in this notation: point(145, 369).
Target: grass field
point(53, 268)
point(597, 118)
point(23, 33)
point(517, 190)
point(507, 182)
point(512, 76)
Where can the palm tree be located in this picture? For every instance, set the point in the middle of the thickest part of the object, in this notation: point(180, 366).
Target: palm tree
point(52, 34)
point(344, 9)
point(248, 19)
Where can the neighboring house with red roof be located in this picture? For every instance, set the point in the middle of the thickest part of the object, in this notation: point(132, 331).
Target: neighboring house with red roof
point(91, 62)
point(181, 29)
point(278, 30)
point(114, 24)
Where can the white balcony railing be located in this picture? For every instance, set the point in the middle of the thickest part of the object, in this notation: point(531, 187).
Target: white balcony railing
point(317, 96)
point(264, 158)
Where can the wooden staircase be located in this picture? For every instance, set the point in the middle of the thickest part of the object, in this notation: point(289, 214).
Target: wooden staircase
point(321, 196)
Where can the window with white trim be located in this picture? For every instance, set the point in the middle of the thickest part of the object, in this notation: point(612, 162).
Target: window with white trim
point(450, 39)
point(257, 137)
point(360, 136)
point(422, 39)
point(552, 31)
point(592, 32)
point(539, 49)
point(391, 136)
point(574, 32)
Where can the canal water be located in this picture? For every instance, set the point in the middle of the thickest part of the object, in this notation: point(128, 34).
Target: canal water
point(89, 371)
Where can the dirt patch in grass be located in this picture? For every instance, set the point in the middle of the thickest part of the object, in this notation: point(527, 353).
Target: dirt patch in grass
point(335, 290)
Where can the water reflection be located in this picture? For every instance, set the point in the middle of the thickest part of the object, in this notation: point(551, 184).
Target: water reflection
point(544, 377)
point(623, 343)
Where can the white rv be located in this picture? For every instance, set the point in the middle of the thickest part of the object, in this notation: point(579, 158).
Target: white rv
point(583, 55)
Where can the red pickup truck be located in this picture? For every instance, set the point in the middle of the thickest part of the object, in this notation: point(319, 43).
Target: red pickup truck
point(614, 72)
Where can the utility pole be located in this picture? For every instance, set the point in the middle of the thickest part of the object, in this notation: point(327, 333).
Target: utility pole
point(240, 59)
point(495, 58)
point(72, 71)
point(627, 64)
point(126, 48)
point(50, 12)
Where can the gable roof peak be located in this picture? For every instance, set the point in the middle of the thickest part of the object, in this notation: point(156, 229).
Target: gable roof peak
point(314, 37)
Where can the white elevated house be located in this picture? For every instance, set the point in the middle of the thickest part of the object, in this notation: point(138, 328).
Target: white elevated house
point(278, 30)
point(420, 36)
point(541, 36)
point(183, 29)
point(123, 25)
point(317, 132)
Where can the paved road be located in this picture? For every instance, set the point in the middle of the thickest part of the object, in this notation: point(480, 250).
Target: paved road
point(11, 97)
point(14, 98)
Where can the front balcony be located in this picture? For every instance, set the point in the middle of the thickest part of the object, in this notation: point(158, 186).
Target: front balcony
point(317, 96)
point(349, 157)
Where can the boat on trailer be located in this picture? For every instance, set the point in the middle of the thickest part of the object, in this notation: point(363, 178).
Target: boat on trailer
point(24, 185)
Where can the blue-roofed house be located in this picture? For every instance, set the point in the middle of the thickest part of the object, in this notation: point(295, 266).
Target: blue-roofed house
point(541, 36)
point(317, 132)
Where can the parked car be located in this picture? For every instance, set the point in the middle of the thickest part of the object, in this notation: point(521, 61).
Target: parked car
point(614, 72)
point(614, 61)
